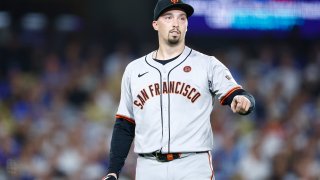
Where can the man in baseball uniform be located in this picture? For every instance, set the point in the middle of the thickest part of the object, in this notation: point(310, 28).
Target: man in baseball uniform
point(166, 102)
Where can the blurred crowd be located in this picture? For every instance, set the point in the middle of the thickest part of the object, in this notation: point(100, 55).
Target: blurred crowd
point(57, 110)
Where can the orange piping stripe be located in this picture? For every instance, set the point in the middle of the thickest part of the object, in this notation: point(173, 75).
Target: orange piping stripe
point(228, 94)
point(125, 118)
point(210, 164)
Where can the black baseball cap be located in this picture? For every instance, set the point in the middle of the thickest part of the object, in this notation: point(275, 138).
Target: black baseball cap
point(164, 5)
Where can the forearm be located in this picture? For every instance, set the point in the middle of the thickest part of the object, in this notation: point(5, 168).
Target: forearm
point(122, 137)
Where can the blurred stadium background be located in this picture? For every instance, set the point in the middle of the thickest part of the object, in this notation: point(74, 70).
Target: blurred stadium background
point(61, 63)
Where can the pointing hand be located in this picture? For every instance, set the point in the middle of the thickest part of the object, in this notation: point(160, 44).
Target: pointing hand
point(240, 104)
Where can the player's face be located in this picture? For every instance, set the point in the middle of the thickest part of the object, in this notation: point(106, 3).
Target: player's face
point(172, 26)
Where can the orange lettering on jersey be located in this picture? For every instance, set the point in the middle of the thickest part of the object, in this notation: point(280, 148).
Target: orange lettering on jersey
point(151, 90)
point(144, 95)
point(164, 88)
point(172, 87)
point(177, 85)
point(138, 104)
point(157, 89)
point(192, 90)
point(186, 90)
point(182, 88)
point(141, 99)
point(195, 97)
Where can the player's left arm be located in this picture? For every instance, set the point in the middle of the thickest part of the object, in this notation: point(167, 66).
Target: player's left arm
point(228, 91)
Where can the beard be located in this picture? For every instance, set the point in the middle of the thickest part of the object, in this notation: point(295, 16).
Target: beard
point(173, 40)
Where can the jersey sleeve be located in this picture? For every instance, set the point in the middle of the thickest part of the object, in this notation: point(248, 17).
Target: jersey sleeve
point(222, 82)
point(125, 109)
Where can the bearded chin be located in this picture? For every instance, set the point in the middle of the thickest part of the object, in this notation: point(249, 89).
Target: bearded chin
point(173, 41)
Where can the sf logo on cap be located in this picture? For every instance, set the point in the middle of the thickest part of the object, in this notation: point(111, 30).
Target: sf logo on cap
point(174, 1)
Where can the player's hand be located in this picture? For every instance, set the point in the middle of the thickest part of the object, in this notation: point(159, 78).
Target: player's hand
point(240, 104)
point(111, 176)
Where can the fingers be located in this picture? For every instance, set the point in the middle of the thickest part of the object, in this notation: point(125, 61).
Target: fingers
point(110, 176)
point(240, 104)
point(233, 105)
point(247, 105)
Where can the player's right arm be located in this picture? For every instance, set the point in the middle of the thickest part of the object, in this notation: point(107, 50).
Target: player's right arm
point(123, 130)
point(122, 137)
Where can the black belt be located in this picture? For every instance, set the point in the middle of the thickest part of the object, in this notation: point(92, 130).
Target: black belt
point(157, 155)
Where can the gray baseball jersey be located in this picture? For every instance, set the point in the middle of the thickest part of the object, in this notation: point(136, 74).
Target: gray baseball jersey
point(171, 104)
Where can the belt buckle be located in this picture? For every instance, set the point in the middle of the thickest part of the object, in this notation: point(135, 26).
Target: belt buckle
point(169, 157)
point(164, 157)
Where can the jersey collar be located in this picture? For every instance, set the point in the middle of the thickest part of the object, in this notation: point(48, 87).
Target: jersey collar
point(182, 57)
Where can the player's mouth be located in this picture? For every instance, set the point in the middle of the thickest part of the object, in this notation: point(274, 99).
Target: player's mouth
point(175, 32)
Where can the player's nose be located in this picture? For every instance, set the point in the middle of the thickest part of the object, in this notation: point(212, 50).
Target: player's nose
point(175, 22)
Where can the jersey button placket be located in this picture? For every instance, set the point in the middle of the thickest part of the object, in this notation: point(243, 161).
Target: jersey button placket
point(164, 75)
point(165, 114)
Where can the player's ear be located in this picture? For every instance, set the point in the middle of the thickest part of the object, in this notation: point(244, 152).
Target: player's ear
point(155, 25)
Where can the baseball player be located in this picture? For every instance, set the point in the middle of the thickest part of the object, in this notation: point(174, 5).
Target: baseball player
point(166, 102)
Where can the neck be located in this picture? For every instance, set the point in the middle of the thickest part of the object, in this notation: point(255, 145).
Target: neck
point(167, 52)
